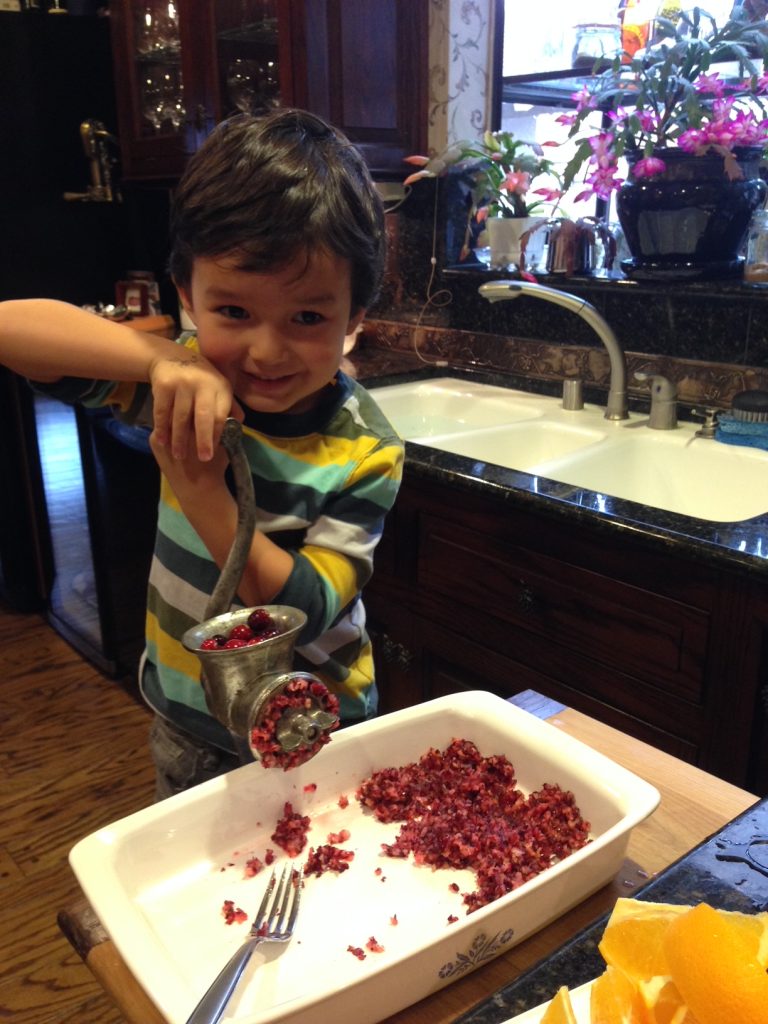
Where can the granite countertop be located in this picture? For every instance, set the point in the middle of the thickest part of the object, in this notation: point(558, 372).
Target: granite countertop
point(729, 870)
point(741, 546)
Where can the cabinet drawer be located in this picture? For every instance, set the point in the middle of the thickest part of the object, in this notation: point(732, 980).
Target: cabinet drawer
point(644, 634)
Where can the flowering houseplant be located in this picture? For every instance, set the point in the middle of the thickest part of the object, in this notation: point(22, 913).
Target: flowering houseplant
point(666, 96)
point(503, 168)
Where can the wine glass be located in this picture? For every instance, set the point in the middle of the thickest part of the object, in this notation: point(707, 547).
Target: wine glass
point(173, 97)
point(152, 98)
point(242, 78)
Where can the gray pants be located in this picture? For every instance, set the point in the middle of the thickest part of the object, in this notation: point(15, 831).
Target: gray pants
point(182, 761)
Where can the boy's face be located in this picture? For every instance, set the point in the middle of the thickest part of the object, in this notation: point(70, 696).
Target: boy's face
point(277, 337)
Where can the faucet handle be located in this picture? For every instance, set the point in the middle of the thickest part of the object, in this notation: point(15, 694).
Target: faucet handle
point(661, 387)
point(663, 394)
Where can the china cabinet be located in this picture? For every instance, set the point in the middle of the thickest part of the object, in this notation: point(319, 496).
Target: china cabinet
point(181, 66)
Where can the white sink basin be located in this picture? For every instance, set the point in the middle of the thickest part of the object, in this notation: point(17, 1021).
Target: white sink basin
point(675, 471)
point(671, 470)
point(520, 446)
point(431, 408)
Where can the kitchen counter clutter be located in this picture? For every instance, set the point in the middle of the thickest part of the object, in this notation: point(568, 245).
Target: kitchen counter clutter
point(493, 578)
point(693, 806)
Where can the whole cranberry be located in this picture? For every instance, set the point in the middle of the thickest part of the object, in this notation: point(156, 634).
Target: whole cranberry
point(210, 644)
point(259, 620)
point(241, 632)
point(230, 645)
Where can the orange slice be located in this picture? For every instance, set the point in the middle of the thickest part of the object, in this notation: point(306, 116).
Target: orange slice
point(714, 965)
point(663, 1002)
point(614, 999)
point(633, 939)
point(560, 1010)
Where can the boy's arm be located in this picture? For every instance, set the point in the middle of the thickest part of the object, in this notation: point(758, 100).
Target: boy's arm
point(336, 560)
point(45, 340)
point(206, 502)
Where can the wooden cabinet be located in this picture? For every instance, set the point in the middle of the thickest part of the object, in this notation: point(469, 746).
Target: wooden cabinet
point(477, 593)
point(365, 69)
point(181, 66)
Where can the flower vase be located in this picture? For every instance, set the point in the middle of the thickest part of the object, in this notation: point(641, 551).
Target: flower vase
point(691, 221)
point(507, 238)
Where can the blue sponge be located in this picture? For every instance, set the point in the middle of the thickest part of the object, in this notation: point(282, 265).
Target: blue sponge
point(731, 430)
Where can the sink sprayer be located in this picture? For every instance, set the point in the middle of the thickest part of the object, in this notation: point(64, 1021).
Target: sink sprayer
point(242, 684)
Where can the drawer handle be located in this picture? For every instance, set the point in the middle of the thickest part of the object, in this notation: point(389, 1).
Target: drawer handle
point(526, 601)
point(395, 654)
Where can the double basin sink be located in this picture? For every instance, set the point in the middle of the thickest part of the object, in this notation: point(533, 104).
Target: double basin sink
point(671, 470)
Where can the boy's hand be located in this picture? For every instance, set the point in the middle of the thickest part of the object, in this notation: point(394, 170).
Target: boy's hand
point(190, 398)
point(195, 483)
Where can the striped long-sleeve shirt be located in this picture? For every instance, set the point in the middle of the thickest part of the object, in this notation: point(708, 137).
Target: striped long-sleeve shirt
point(323, 481)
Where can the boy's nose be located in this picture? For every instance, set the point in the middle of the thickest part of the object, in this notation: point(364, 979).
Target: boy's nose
point(265, 345)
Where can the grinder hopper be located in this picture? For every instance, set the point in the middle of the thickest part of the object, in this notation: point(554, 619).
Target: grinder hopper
point(241, 684)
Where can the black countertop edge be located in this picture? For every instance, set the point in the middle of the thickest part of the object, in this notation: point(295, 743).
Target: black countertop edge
point(728, 870)
point(742, 546)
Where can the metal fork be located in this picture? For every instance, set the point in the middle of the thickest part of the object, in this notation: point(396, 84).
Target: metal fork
point(274, 922)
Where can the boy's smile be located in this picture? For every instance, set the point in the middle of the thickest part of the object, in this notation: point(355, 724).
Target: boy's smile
point(277, 337)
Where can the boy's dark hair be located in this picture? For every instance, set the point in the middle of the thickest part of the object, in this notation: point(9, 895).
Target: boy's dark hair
point(268, 188)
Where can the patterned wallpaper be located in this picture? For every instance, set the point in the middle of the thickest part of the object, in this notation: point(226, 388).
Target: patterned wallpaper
point(460, 44)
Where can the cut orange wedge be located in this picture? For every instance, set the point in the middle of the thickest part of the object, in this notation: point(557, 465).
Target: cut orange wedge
point(560, 1010)
point(663, 1002)
point(633, 939)
point(713, 962)
point(614, 999)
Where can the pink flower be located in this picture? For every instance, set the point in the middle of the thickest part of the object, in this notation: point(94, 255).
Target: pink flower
point(648, 167)
point(710, 84)
point(602, 150)
point(517, 182)
point(550, 194)
point(648, 121)
point(603, 182)
point(584, 99)
point(417, 176)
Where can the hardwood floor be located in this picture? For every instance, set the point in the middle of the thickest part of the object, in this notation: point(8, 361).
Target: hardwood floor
point(73, 757)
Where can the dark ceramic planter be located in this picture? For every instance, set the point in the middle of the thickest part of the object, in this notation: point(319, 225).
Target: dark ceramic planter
point(691, 221)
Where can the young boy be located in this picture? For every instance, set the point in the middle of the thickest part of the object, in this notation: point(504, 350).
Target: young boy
point(277, 249)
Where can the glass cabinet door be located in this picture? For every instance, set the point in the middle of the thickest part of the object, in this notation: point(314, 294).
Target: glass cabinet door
point(181, 66)
point(154, 96)
point(247, 56)
point(159, 77)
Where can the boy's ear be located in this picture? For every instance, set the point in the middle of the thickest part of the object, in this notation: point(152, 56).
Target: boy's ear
point(355, 320)
point(184, 299)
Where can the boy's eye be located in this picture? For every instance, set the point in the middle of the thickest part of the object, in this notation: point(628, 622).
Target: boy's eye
point(233, 312)
point(308, 318)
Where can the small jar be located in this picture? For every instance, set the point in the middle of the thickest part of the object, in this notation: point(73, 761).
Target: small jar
point(756, 264)
point(593, 42)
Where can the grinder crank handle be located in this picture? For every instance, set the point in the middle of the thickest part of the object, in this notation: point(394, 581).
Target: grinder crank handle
point(224, 592)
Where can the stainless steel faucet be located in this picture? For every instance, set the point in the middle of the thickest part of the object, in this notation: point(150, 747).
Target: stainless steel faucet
point(663, 401)
point(616, 408)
